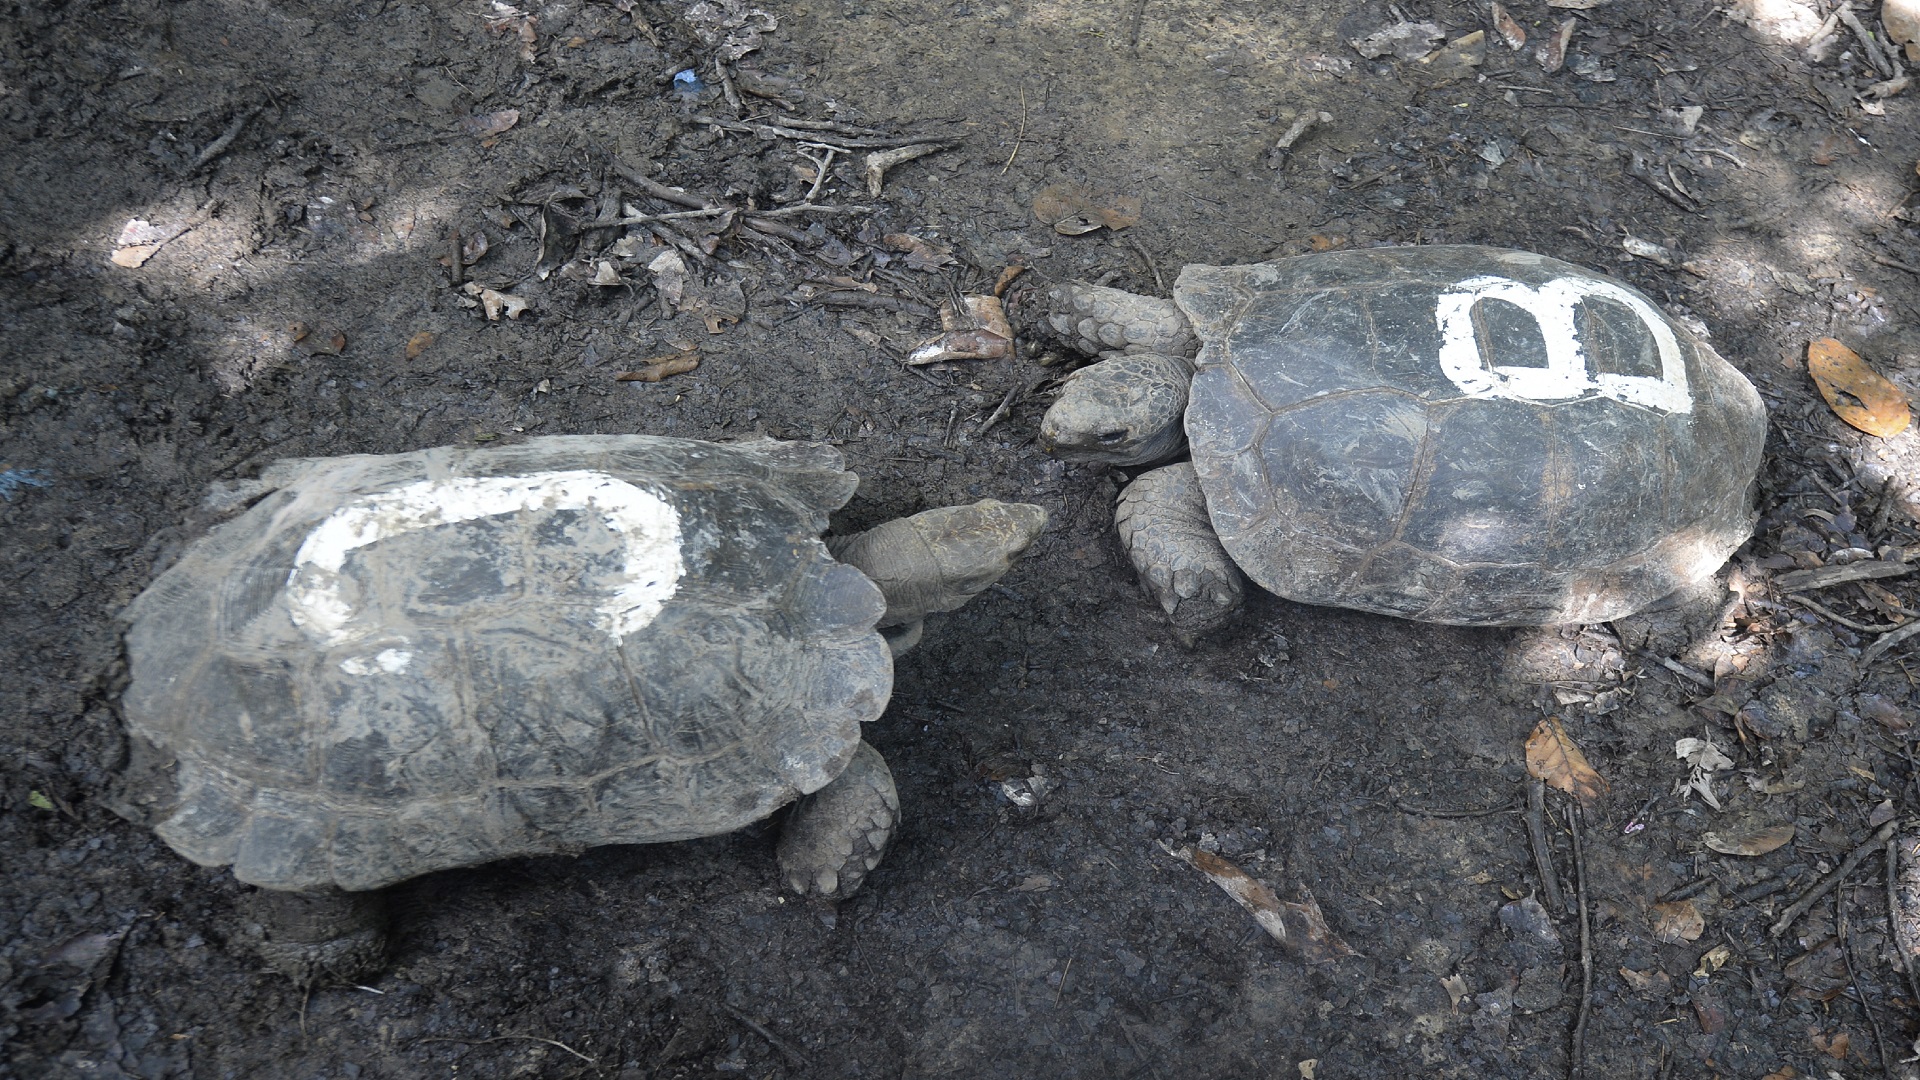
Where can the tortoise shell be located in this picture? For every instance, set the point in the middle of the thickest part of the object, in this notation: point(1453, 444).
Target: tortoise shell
point(398, 664)
point(1464, 435)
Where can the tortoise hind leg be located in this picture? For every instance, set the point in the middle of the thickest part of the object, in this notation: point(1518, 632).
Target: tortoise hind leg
point(1163, 524)
point(320, 934)
point(938, 560)
point(838, 834)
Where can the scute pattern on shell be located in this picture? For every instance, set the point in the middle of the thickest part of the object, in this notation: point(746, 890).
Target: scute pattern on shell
point(516, 723)
point(1342, 466)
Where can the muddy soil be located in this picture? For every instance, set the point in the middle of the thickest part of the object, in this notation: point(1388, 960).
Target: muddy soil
point(227, 236)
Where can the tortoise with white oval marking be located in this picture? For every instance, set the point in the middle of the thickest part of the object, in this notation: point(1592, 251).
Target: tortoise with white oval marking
point(1452, 434)
point(391, 665)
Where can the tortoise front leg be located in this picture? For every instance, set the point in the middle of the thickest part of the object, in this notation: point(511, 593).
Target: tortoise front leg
point(1163, 524)
point(321, 933)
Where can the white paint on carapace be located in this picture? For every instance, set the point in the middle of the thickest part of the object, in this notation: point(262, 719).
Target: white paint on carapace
point(648, 526)
point(1565, 376)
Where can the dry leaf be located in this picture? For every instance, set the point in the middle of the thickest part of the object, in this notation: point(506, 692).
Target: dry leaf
point(1510, 32)
point(1677, 922)
point(1072, 209)
point(1858, 394)
point(660, 367)
point(1006, 278)
point(1405, 40)
point(975, 344)
point(497, 303)
point(669, 272)
point(482, 125)
point(1751, 841)
point(1297, 926)
point(1703, 759)
point(418, 343)
point(1552, 756)
point(922, 254)
point(1456, 987)
point(605, 274)
point(1651, 981)
point(1835, 1046)
point(1712, 960)
point(1553, 55)
point(1575, 5)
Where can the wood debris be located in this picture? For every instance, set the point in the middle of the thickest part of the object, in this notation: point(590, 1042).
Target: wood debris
point(661, 367)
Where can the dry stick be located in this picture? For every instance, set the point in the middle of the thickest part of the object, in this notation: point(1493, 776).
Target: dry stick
point(1902, 928)
point(1542, 854)
point(794, 1057)
point(1679, 669)
point(506, 1038)
point(1005, 404)
point(219, 146)
point(1860, 992)
point(1019, 135)
point(1871, 46)
point(1865, 628)
point(1826, 885)
point(1575, 1065)
point(1887, 641)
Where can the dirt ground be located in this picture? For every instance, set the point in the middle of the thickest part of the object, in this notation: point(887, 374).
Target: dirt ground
point(226, 238)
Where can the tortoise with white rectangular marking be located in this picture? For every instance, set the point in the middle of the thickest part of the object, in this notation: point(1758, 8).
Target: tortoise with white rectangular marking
point(1452, 434)
point(391, 665)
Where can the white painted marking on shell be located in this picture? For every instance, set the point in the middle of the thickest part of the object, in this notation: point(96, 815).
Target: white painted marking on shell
point(646, 523)
point(1565, 375)
point(390, 661)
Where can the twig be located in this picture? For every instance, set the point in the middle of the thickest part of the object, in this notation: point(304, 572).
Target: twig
point(1005, 404)
point(1133, 23)
point(456, 262)
point(822, 165)
point(1821, 577)
point(505, 1038)
point(1899, 915)
point(1436, 812)
point(1887, 641)
point(1896, 263)
point(1872, 47)
point(1826, 884)
point(1865, 628)
point(1679, 669)
point(219, 146)
point(1576, 1066)
point(1022, 133)
point(862, 142)
point(1860, 992)
point(1153, 268)
point(794, 1057)
point(1542, 853)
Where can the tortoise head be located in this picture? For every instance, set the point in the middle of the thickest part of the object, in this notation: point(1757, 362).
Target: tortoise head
point(1123, 411)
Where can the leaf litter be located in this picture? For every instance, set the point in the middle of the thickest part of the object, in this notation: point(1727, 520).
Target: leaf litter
point(1299, 926)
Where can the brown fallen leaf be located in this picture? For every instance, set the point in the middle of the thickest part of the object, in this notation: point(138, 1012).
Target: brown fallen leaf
point(496, 303)
point(922, 254)
point(660, 367)
point(975, 344)
point(1677, 922)
point(1006, 278)
point(1757, 840)
point(481, 125)
point(418, 344)
point(1456, 988)
point(1835, 1045)
point(1510, 32)
point(1857, 394)
point(1553, 54)
point(1553, 756)
point(1652, 981)
point(1072, 209)
point(1298, 926)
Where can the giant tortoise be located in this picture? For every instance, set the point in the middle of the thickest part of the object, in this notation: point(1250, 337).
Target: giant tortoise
point(391, 665)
